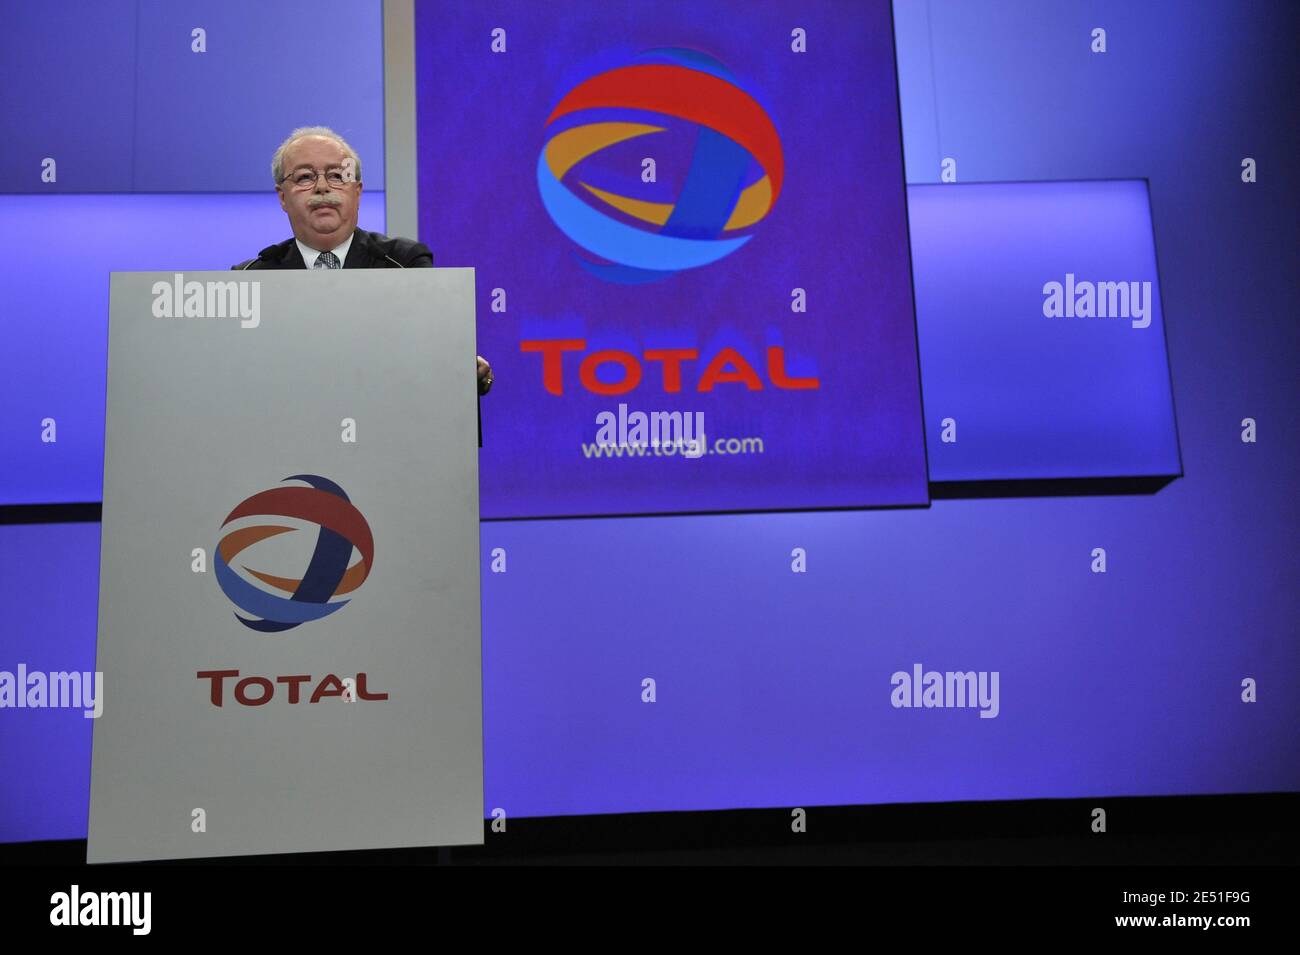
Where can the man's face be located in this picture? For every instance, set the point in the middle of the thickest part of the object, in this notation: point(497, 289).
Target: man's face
point(323, 213)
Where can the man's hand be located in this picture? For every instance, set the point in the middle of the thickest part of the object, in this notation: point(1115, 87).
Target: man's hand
point(484, 376)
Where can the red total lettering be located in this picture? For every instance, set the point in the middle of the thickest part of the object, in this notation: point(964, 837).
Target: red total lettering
point(715, 373)
point(553, 350)
point(727, 366)
point(294, 684)
point(241, 690)
point(631, 372)
point(330, 686)
point(217, 677)
point(361, 690)
point(672, 359)
point(776, 371)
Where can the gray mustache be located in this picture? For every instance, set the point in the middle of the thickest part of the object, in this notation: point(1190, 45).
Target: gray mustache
point(326, 199)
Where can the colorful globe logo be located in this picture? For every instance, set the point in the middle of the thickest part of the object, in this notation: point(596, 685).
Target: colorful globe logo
point(731, 182)
point(272, 602)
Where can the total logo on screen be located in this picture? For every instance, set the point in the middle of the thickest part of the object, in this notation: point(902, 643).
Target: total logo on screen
point(704, 222)
point(271, 602)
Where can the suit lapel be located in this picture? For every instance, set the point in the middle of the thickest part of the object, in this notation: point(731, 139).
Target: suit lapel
point(359, 254)
point(293, 258)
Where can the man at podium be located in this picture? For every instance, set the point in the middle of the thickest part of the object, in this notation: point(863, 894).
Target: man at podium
point(318, 179)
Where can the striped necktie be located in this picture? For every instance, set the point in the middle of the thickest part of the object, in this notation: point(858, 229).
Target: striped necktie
point(327, 260)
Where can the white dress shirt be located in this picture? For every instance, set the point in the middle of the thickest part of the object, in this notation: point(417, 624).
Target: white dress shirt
point(310, 255)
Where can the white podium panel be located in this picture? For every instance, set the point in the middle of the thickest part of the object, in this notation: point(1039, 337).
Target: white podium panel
point(289, 577)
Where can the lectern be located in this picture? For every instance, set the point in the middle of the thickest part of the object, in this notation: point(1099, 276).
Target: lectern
point(289, 624)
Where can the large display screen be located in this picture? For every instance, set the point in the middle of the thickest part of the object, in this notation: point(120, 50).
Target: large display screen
point(693, 213)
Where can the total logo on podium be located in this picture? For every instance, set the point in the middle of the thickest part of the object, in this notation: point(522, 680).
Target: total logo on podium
point(273, 603)
point(310, 596)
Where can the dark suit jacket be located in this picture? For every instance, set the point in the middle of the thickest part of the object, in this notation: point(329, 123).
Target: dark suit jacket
point(369, 250)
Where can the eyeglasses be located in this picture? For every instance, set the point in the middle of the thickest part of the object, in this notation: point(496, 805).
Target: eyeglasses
point(336, 177)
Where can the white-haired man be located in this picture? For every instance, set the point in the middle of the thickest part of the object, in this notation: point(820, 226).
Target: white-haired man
point(318, 179)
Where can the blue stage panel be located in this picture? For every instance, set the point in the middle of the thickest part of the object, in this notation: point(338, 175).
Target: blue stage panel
point(1032, 396)
point(67, 94)
point(56, 312)
point(209, 122)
